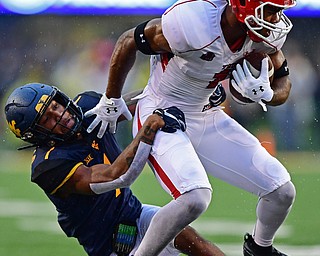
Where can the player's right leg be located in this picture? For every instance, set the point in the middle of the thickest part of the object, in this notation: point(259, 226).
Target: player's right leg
point(171, 219)
point(143, 223)
point(188, 241)
point(180, 172)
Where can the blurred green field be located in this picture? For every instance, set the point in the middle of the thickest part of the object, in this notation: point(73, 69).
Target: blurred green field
point(28, 220)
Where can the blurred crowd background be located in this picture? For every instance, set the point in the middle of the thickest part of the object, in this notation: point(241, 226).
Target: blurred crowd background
point(73, 53)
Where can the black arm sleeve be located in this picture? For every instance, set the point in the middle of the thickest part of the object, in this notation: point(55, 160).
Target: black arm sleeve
point(282, 71)
point(141, 41)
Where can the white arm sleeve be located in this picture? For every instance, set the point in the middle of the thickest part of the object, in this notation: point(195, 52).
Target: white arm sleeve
point(130, 176)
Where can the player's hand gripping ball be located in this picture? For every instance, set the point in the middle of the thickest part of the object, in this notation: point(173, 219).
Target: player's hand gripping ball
point(248, 82)
point(173, 117)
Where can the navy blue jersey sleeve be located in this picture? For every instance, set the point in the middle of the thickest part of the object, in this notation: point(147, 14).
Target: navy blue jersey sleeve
point(52, 167)
point(50, 175)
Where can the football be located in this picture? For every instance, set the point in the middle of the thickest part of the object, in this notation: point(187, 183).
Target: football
point(254, 62)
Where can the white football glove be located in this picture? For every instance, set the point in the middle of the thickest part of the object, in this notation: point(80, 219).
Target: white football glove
point(107, 112)
point(256, 89)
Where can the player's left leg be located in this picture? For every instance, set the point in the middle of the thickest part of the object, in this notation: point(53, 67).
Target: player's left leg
point(231, 153)
point(272, 210)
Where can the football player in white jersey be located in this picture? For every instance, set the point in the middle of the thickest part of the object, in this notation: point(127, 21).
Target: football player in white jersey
point(193, 47)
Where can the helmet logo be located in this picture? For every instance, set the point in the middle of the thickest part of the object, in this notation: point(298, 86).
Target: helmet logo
point(41, 102)
point(12, 126)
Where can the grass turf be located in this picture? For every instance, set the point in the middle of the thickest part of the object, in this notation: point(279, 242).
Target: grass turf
point(28, 221)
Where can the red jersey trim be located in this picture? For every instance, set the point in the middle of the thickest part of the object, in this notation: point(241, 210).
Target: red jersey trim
point(165, 179)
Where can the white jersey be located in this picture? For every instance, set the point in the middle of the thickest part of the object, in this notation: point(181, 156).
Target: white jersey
point(185, 79)
point(201, 58)
point(213, 142)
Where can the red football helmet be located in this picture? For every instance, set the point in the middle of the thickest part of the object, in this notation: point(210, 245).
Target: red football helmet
point(251, 13)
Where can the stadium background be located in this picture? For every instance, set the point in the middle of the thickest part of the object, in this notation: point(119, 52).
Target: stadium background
point(73, 51)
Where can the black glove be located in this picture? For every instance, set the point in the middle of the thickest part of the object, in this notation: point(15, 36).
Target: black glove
point(173, 118)
point(218, 96)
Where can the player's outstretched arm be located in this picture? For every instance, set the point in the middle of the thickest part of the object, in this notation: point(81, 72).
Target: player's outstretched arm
point(173, 120)
point(147, 38)
point(79, 182)
point(126, 168)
